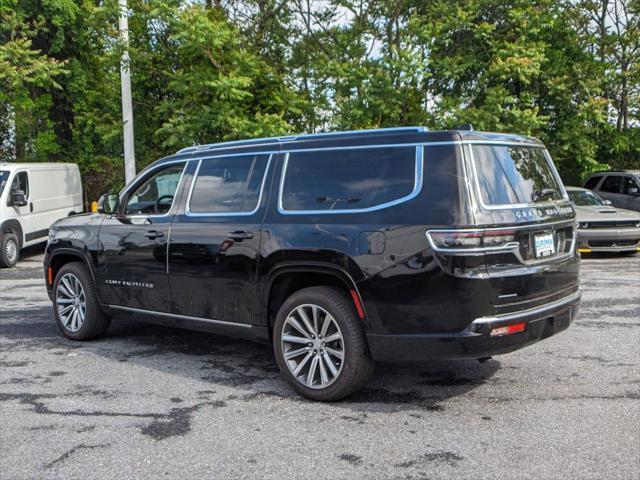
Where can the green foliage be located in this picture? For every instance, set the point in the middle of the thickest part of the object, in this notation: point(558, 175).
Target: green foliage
point(564, 71)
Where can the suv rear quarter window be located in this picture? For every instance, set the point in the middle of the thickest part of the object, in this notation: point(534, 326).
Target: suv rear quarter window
point(592, 182)
point(351, 179)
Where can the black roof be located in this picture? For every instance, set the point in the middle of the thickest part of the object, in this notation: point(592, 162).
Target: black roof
point(382, 136)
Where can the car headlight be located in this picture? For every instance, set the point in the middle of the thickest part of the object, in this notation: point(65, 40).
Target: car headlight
point(583, 225)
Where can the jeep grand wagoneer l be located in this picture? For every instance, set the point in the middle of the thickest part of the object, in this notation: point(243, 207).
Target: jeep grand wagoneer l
point(341, 249)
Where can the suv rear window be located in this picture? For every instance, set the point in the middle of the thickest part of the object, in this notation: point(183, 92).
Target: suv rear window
point(611, 184)
point(228, 184)
point(343, 180)
point(510, 175)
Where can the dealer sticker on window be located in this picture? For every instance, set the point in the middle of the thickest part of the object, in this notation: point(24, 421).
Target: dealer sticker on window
point(544, 244)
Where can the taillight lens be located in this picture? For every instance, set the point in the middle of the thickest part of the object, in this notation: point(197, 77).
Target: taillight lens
point(475, 240)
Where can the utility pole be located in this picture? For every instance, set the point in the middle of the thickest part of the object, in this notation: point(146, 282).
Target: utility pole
point(125, 85)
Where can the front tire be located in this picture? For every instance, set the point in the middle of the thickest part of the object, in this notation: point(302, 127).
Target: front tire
point(320, 345)
point(9, 250)
point(75, 304)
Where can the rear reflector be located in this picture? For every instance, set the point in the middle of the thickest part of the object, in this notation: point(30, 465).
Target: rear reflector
point(356, 302)
point(50, 275)
point(508, 329)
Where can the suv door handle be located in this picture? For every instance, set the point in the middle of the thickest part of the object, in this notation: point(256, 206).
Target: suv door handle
point(240, 235)
point(153, 234)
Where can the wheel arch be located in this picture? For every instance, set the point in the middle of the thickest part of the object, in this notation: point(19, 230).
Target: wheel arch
point(62, 256)
point(285, 280)
point(12, 225)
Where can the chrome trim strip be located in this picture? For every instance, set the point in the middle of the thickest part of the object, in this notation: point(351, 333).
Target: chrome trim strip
point(189, 213)
point(509, 247)
point(417, 187)
point(505, 317)
point(182, 317)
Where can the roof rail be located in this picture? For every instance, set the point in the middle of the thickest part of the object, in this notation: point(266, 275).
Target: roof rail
point(284, 138)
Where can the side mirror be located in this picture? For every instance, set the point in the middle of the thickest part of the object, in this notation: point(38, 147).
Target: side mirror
point(108, 203)
point(607, 202)
point(18, 198)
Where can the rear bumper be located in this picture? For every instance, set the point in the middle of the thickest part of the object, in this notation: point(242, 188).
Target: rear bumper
point(476, 340)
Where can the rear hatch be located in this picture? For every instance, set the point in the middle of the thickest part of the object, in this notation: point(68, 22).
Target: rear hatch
point(524, 235)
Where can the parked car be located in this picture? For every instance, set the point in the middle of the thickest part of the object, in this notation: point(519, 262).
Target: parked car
point(602, 227)
point(340, 249)
point(32, 197)
point(621, 188)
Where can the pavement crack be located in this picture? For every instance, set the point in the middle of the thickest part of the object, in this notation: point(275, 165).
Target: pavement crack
point(73, 450)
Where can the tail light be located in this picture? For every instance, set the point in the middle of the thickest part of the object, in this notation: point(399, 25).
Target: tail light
point(472, 241)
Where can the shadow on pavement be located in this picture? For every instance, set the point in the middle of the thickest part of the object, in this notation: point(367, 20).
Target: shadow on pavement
point(247, 367)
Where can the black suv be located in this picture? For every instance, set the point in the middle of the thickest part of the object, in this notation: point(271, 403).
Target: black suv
point(341, 249)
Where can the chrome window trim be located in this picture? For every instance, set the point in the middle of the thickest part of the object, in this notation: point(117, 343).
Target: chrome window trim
point(417, 184)
point(159, 167)
point(187, 209)
point(507, 206)
point(182, 317)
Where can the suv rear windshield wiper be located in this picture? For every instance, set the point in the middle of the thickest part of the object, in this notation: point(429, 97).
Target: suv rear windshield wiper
point(540, 194)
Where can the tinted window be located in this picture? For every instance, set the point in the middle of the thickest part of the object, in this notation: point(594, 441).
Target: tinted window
point(4, 176)
point(348, 179)
point(510, 175)
point(629, 186)
point(228, 184)
point(592, 182)
point(155, 195)
point(611, 184)
point(21, 182)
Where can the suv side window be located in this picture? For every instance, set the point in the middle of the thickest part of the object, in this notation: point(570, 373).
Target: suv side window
point(227, 185)
point(155, 196)
point(338, 180)
point(21, 182)
point(630, 185)
point(611, 184)
point(592, 182)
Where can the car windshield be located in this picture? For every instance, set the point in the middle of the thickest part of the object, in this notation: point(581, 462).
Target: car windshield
point(510, 175)
point(4, 176)
point(584, 198)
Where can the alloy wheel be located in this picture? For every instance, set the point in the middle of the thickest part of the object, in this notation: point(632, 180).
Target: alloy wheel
point(312, 346)
point(71, 302)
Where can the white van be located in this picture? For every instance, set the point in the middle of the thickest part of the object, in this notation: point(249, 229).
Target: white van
point(32, 197)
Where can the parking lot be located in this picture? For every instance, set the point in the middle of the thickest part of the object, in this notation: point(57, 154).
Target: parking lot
point(154, 402)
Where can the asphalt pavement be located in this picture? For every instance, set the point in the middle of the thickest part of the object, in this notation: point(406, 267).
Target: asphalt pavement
point(154, 402)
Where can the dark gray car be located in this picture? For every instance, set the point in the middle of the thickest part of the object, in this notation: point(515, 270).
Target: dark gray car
point(621, 188)
point(602, 227)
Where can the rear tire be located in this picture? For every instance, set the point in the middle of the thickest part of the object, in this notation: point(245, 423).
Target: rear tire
point(9, 250)
point(339, 350)
point(75, 304)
